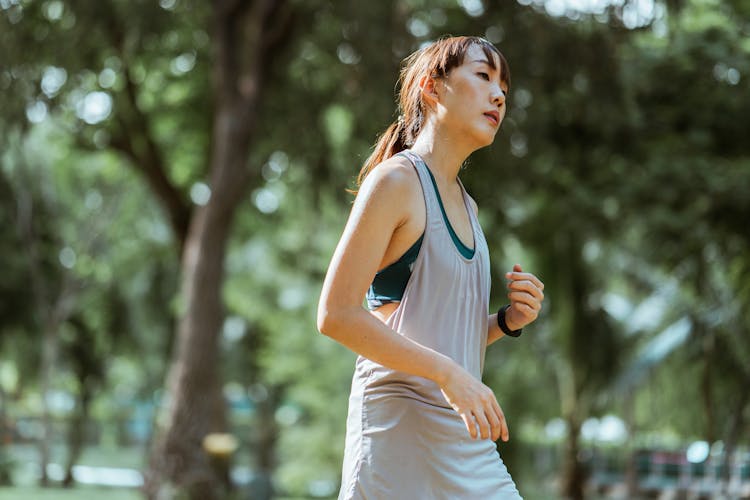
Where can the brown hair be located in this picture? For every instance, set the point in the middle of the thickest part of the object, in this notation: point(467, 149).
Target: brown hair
point(437, 60)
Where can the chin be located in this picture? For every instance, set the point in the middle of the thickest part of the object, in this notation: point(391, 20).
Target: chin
point(480, 137)
point(485, 136)
point(483, 140)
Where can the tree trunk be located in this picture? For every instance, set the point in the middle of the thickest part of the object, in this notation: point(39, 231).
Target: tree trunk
point(707, 397)
point(55, 316)
point(194, 403)
point(733, 432)
point(573, 476)
point(5, 440)
point(195, 406)
point(49, 359)
point(77, 430)
point(265, 455)
point(245, 34)
point(570, 381)
point(26, 228)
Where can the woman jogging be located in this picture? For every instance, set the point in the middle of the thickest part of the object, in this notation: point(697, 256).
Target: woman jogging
point(421, 424)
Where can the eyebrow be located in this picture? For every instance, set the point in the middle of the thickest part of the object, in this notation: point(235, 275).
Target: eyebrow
point(487, 63)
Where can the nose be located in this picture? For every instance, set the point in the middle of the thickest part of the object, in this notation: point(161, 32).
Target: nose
point(498, 96)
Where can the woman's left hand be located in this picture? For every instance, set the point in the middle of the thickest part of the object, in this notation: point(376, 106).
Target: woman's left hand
point(526, 296)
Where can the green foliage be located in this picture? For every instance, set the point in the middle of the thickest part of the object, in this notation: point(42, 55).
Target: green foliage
point(620, 174)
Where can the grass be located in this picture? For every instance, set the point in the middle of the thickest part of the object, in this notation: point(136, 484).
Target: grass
point(111, 456)
point(77, 493)
point(25, 474)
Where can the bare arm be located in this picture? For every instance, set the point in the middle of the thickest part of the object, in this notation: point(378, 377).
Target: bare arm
point(378, 211)
point(494, 332)
point(383, 205)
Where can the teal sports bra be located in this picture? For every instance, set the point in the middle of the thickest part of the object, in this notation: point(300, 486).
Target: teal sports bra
point(390, 282)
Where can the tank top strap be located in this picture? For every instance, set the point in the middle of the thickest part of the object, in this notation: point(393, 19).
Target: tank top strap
point(432, 204)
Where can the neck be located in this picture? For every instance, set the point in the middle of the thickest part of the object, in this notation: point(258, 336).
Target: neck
point(440, 151)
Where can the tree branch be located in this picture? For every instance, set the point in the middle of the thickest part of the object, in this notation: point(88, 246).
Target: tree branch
point(228, 15)
point(247, 34)
point(268, 25)
point(137, 143)
point(134, 127)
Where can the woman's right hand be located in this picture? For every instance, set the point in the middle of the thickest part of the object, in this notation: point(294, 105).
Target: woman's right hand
point(476, 404)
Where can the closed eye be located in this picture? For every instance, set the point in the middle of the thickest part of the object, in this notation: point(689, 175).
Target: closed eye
point(484, 76)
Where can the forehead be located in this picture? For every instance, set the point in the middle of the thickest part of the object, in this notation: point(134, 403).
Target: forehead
point(476, 53)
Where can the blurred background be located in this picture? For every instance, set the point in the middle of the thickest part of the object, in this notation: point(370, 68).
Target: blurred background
point(173, 180)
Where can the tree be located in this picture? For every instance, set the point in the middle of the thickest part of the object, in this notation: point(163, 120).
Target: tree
point(244, 35)
point(277, 103)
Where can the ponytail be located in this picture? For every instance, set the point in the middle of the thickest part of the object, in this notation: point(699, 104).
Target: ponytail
point(389, 143)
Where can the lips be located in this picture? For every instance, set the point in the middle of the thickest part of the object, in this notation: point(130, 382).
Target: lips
point(494, 117)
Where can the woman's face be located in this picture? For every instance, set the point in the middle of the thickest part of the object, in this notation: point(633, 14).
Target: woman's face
point(471, 99)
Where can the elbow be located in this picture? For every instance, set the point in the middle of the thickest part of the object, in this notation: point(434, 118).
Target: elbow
point(335, 322)
point(323, 320)
point(326, 320)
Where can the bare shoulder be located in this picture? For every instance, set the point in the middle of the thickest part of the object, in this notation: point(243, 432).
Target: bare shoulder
point(396, 172)
point(394, 181)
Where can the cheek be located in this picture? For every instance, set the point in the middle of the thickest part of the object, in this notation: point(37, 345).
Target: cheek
point(464, 89)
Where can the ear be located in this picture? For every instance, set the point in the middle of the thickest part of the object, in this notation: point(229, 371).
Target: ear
point(429, 89)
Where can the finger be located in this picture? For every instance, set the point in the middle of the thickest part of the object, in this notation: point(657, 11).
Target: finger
point(517, 268)
point(470, 425)
point(525, 298)
point(484, 425)
point(524, 309)
point(527, 286)
point(525, 277)
point(504, 435)
point(515, 276)
point(494, 420)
